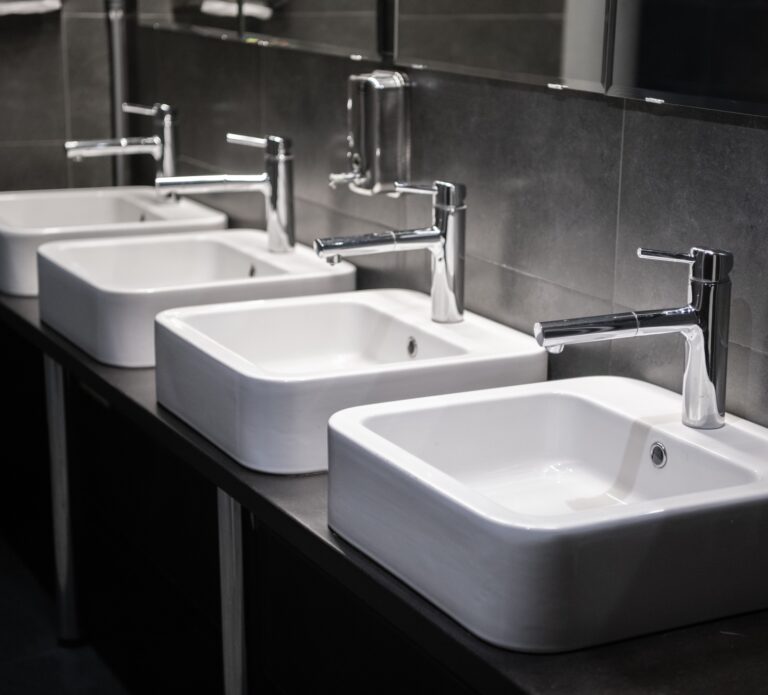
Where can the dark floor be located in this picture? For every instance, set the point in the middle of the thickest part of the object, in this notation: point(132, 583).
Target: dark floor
point(31, 660)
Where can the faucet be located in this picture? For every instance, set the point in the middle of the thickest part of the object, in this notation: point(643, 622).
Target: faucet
point(275, 184)
point(704, 323)
point(161, 145)
point(444, 239)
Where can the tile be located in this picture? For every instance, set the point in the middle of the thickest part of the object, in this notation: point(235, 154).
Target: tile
point(88, 78)
point(214, 84)
point(542, 173)
point(88, 6)
point(88, 173)
point(31, 79)
point(304, 96)
point(694, 178)
point(31, 661)
point(32, 165)
point(63, 671)
point(517, 300)
point(657, 359)
point(338, 24)
point(747, 384)
point(409, 270)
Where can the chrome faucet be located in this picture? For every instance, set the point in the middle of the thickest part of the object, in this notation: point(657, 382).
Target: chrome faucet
point(704, 323)
point(161, 146)
point(275, 184)
point(444, 239)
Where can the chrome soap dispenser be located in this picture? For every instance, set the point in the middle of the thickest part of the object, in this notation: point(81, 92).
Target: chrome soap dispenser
point(378, 136)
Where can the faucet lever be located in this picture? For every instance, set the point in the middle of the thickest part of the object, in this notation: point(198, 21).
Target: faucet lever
point(707, 265)
point(275, 145)
point(416, 188)
point(654, 255)
point(246, 140)
point(151, 111)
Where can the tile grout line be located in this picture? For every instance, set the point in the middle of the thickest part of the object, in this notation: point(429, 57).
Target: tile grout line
point(618, 220)
point(66, 86)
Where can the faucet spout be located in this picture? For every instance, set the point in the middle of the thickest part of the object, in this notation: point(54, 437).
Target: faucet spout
point(628, 324)
point(704, 323)
point(83, 149)
point(378, 242)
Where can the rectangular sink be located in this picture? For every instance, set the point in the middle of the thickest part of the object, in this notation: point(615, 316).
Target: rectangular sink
point(261, 379)
point(555, 516)
point(104, 294)
point(31, 218)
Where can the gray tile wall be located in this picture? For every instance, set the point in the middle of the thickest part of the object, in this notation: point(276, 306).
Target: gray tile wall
point(562, 189)
point(54, 73)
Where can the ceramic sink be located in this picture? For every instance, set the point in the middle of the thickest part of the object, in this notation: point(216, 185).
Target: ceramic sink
point(554, 516)
point(31, 218)
point(104, 294)
point(260, 379)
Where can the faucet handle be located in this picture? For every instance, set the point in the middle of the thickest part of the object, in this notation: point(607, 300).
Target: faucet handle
point(151, 111)
point(447, 195)
point(273, 144)
point(415, 188)
point(668, 256)
point(708, 265)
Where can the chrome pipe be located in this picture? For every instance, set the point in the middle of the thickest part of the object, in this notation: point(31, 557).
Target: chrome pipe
point(118, 51)
point(377, 242)
point(232, 593)
point(66, 593)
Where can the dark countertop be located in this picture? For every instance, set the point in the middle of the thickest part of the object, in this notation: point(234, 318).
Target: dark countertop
point(729, 655)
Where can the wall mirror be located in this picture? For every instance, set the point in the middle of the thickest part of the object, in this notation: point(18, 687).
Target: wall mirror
point(706, 53)
point(544, 42)
point(334, 27)
point(338, 27)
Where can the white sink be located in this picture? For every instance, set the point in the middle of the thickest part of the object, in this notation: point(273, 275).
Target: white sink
point(104, 294)
point(31, 218)
point(535, 516)
point(261, 379)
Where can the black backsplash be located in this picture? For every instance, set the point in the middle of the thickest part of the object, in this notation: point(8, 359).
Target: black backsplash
point(54, 73)
point(562, 188)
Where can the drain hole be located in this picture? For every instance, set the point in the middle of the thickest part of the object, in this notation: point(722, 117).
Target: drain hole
point(252, 271)
point(658, 455)
point(413, 347)
point(142, 217)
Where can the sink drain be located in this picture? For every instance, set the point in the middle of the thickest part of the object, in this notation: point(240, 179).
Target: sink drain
point(413, 347)
point(658, 455)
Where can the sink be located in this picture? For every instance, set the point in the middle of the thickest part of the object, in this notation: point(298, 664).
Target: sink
point(260, 379)
point(31, 218)
point(104, 294)
point(537, 517)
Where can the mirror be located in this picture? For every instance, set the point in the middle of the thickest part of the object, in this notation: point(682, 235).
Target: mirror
point(335, 27)
point(339, 27)
point(546, 42)
point(707, 53)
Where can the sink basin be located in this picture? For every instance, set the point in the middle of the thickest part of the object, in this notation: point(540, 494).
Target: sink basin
point(536, 517)
point(104, 294)
point(261, 379)
point(31, 218)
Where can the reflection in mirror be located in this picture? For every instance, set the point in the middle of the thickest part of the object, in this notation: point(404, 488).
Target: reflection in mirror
point(331, 26)
point(708, 53)
point(191, 14)
point(558, 42)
